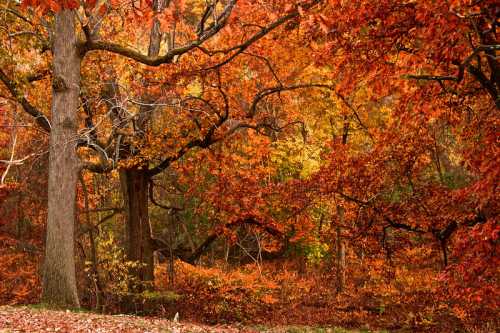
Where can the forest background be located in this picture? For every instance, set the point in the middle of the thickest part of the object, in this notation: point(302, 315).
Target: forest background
point(319, 162)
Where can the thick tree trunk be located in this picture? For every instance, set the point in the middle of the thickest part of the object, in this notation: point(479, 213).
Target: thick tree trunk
point(59, 282)
point(134, 185)
point(135, 182)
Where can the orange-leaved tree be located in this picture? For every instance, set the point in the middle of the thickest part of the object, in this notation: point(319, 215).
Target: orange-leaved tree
point(431, 166)
point(73, 31)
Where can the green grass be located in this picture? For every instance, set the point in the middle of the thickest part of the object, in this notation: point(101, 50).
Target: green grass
point(47, 306)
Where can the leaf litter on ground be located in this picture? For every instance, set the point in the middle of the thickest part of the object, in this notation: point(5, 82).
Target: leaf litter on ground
point(25, 319)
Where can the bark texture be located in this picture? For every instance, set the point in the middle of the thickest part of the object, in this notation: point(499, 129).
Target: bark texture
point(135, 182)
point(59, 282)
point(134, 185)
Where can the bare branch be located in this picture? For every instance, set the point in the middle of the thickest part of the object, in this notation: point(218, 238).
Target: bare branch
point(269, 91)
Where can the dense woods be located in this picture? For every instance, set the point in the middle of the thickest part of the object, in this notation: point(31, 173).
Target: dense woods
point(316, 162)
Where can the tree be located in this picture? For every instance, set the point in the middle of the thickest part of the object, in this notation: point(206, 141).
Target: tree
point(414, 85)
point(434, 65)
point(59, 283)
point(69, 47)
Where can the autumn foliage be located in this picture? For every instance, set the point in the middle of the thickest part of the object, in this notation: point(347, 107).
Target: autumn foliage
point(315, 162)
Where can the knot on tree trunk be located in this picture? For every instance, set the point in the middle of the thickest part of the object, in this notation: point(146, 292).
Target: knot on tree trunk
point(59, 84)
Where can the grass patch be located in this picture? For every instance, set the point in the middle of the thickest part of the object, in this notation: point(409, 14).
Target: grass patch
point(48, 306)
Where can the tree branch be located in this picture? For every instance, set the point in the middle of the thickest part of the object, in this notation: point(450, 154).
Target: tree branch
point(487, 84)
point(14, 90)
point(269, 91)
point(156, 203)
point(191, 258)
point(257, 36)
point(461, 68)
point(222, 19)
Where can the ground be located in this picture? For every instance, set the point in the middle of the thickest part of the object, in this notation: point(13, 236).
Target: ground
point(14, 319)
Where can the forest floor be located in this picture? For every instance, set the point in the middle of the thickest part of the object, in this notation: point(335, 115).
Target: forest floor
point(14, 319)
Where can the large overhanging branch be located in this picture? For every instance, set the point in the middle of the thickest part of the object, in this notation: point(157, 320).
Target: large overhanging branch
point(96, 45)
point(209, 140)
point(461, 68)
point(18, 15)
point(203, 35)
point(205, 245)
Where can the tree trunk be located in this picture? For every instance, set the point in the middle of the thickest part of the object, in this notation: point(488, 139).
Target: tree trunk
point(93, 247)
point(135, 182)
point(444, 250)
point(340, 246)
point(340, 249)
point(59, 282)
point(171, 259)
point(134, 185)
